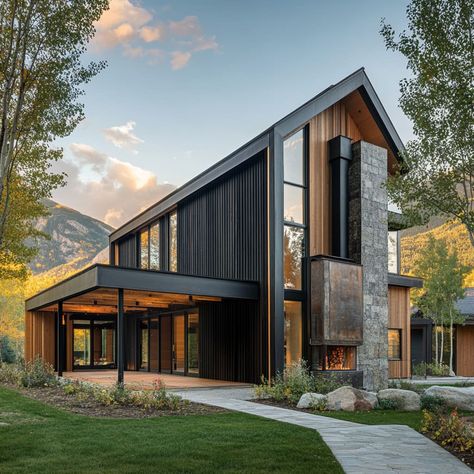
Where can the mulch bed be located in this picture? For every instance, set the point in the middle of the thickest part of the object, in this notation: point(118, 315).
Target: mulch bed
point(56, 397)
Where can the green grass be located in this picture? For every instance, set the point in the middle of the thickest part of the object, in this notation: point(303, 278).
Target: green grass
point(40, 438)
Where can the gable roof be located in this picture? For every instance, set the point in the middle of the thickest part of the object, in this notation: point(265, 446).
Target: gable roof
point(357, 81)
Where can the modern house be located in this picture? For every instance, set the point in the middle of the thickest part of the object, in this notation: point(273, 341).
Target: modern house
point(422, 330)
point(278, 252)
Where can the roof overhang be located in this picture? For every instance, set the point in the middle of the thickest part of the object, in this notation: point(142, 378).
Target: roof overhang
point(406, 281)
point(112, 277)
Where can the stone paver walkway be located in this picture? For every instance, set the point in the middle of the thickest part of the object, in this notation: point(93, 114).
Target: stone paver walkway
point(360, 449)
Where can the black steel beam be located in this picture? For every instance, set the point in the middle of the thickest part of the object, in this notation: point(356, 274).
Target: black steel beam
point(406, 281)
point(120, 338)
point(59, 349)
point(105, 276)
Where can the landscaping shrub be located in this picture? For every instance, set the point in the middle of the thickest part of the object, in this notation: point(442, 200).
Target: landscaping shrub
point(432, 403)
point(294, 382)
point(386, 404)
point(7, 351)
point(9, 374)
point(37, 373)
point(449, 430)
point(318, 405)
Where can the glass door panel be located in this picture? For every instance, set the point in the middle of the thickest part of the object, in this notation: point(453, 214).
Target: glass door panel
point(81, 347)
point(104, 346)
point(178, 343)
point(144, 345)
point(154, 345)
point(165, 344)
point(193, 343)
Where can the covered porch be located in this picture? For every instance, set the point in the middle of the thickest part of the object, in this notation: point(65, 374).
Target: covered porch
point(133, 326)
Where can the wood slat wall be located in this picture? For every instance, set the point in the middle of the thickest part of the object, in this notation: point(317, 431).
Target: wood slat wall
point(40, 330)
point(323, 127)
point(465, 351)
point(399, 318)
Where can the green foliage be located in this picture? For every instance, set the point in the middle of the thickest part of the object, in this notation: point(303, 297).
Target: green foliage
point(7, 351)
point(405, 385)
point(158, 398)
point(432, 403)
point(438, 98)
point(10, 374)
point(37, 373)
point(41, 82)
point(296, 380)
point(448, 430)
point(318, 405)
point(432, 369)
point(386, 404)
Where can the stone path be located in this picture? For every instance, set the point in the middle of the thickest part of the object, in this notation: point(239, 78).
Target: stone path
point(360, 449)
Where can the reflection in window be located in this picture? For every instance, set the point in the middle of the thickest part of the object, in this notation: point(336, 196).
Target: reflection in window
point(293, 158)
point(155, 246)
point(173, 246)
point(144, 261)
point(293, 204)
point(293, 245)
point(293, 331)
point(393, 252)
point(394, 344)
point(193, 343)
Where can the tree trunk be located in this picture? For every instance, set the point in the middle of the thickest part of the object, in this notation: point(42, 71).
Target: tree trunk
point(451, 342)
point(436, 344)
point(441, 350)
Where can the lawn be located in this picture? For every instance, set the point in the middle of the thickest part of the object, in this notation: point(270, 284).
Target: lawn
point(39, 438)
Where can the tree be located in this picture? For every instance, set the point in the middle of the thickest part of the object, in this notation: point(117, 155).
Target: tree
point(41, 79)
point(443, 276)
point(437, 173)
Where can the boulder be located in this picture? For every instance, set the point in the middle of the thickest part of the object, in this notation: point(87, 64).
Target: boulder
point(309, 400)
point(406, 400)
point(455, 397)
point(350, 399)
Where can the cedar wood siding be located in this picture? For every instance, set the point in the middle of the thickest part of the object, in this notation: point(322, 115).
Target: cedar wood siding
point(399, 318)
point(465, 350)
point(222, 233)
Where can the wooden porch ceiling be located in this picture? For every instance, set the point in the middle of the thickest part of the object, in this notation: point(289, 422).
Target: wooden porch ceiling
point(104, 301)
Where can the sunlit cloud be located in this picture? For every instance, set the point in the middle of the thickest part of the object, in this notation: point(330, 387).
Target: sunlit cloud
point(122, 136)
point(137, 31)
point(115, 191)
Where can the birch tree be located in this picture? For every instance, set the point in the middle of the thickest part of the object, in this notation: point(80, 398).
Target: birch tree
point(41, 83)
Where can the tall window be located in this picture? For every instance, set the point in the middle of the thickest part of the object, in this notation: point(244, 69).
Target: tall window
point(393, 252)
point(144, 255)
point(394, 344)
point(293, 331)
point(155, 246)
point(173, 245)
point(294, 208)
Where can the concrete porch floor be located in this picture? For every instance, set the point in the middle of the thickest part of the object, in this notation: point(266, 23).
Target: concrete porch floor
point(145, 380)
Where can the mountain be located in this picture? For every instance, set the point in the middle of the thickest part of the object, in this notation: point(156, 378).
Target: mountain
point(455, 234)
point(75, 241)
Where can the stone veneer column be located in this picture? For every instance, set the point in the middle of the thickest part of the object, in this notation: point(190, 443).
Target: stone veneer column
point(368, 246)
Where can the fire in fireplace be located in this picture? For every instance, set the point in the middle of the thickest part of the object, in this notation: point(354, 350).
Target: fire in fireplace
point(336, 358)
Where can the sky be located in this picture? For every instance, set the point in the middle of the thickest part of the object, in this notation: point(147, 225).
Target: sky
point(188, 82)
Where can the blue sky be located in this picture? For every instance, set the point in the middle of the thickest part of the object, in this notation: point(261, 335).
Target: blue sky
point(188, 82)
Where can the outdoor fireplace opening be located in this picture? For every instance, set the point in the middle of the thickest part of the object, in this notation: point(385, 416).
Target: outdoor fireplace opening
point(336, 358)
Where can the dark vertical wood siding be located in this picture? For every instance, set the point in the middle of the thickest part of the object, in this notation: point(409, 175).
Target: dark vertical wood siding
point(222, 233)
point(128, 252)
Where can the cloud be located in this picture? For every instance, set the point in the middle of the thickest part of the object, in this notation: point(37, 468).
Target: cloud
point(122, 136)
point(179, 59)
point(117, 190)
point(135, 29)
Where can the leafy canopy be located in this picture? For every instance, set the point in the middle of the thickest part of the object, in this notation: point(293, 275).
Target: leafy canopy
point(41, 83)
point(438, 97)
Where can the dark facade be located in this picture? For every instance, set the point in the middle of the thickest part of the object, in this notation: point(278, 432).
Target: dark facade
point(254, 227)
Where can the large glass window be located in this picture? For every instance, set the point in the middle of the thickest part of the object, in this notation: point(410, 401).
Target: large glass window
point(155, 246)
point(293, 331)
point(178, 343)
point(394, 344)
point(193, 343)
point(294, 215)
point(173, 246)
point(82, 346)
point(144, 256)
point(393, 250)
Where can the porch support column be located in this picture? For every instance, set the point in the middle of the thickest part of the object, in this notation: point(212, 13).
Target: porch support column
point(59, 340)
point(120, 337)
